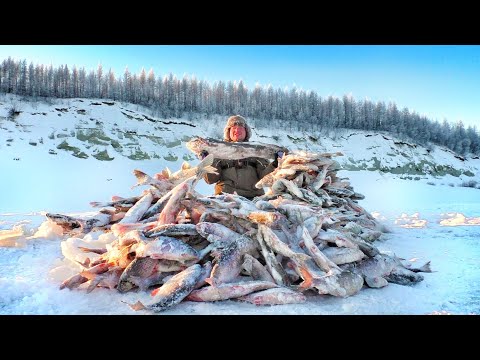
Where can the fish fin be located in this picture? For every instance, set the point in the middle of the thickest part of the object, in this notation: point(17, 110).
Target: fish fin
point(87, 275)
point(167, 173)
point(210, 169)
point(93, 250)
point(305, 285)
point(137, 306)
point(208, 161)
point(139, 174)
point(160, 176)
point(142, 178)
point(85, 227)
point(376, 282)
point(93, 284)
point(203, 168)
point(425, 268)
point(307, 277)
point(186, 166)
point(73, 282)
point(85, 263)
point(155, 291)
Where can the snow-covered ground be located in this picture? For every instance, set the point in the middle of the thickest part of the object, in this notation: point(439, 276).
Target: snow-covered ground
point(438, 222)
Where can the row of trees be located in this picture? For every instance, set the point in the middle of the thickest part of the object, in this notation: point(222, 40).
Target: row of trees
point(294, 109)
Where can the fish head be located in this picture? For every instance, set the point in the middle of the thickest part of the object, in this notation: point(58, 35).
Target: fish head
point(196, 145)
point(124, 286)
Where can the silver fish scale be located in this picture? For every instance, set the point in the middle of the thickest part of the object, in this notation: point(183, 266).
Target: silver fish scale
point(142, 267)
point(176, 289)
point(234, 150)
point(164, 247)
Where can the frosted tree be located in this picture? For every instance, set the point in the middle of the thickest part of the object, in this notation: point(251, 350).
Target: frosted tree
point(66, 82)
point(184, 89)
point(380, 116)
point(193, 94)
point(293, 108)
point(242, 95)
point(329, 113)
point(91, 87)
point(369, 115)
point(99, 80)
point(289, 109)
point(150, 86)
point(256, 101)
point(75, 82)
point(392, 119)
point(349, 105)
point(142, 80)
point(403, 119)
point(82, 75)
point(127, 85)
point(230, 98)
point(31, 80)
point(271, 103)
point(134, 89)
point(472, 135)
point(111, 85)
point(22, 86)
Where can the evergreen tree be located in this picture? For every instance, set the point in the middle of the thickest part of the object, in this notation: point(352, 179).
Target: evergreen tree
point(290, 109)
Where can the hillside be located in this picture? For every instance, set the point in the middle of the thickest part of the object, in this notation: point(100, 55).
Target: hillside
point(94, 133)
point(59, 157)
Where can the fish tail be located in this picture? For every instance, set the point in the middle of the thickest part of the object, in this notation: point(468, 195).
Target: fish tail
point(137, 306)
point(166, 173)
point(93, 284)
point(85, 263)
point(204, 165)
point(425, 268)
point(203, 168)
point(307, 277)
point(140, 175)
point(210, 169)
point(142, 178)
point(305, 274)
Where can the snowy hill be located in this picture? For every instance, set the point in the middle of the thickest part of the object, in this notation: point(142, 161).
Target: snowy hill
point(58, 157)
point(95, 133)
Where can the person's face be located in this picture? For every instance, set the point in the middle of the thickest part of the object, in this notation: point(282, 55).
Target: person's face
point(237, 133)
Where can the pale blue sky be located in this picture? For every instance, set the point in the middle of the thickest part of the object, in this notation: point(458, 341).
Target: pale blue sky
point(439, 81)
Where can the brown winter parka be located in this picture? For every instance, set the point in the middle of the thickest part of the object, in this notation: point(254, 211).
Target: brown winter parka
point(240, 176)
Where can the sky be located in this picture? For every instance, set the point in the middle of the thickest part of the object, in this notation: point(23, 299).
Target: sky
point(429, 220)
point(438, 81)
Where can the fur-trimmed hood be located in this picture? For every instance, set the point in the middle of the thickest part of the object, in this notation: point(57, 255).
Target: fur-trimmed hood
point(239, 120)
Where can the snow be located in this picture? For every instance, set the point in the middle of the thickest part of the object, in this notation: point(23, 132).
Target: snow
point(437, 223)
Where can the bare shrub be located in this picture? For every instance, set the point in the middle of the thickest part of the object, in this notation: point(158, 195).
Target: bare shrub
point(13, 111)
point(469, 183)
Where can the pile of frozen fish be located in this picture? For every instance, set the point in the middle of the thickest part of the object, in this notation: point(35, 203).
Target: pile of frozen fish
point(307, 235)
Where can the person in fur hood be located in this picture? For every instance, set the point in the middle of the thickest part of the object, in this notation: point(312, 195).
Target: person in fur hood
point(239, 176)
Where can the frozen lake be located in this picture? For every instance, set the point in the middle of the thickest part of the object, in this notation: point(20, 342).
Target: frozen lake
point(437, 223)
